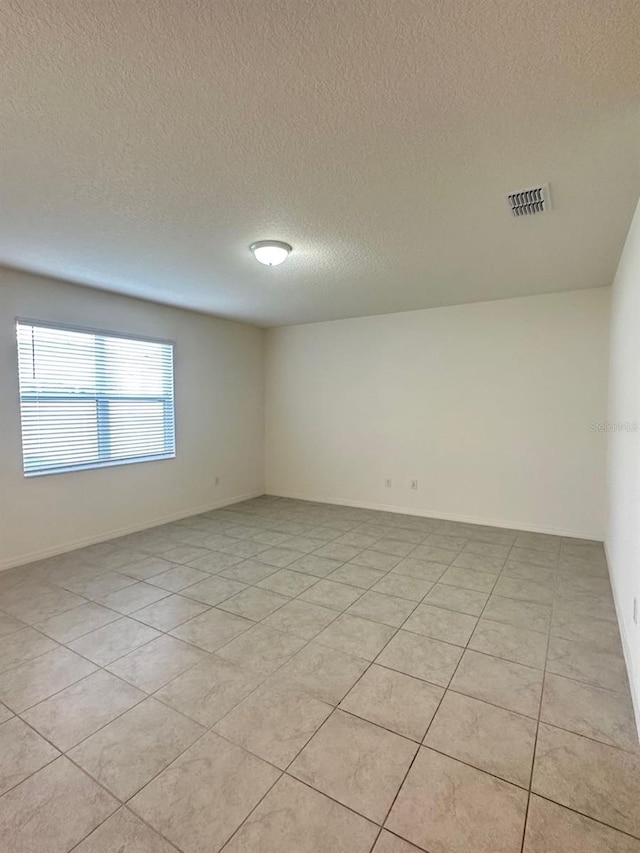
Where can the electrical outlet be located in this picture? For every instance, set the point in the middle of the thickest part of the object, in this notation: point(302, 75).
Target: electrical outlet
point(217, 481)
point(635, 610)
point(387, 483)
point(414, 485)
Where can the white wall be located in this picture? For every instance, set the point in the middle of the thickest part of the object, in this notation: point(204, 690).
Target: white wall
point(488, 405)
point(623, 528)
point(219, 424)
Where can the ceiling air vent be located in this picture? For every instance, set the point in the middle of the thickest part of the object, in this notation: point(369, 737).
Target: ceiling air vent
point(529, 202)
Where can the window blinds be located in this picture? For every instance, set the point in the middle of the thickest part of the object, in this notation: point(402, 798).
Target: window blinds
point(90, 399)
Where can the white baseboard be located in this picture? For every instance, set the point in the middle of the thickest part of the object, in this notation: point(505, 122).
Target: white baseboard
point(441, 516)
point(123, 531)
point(626, 647)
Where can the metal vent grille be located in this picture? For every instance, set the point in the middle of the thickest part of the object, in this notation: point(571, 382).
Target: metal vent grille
point(529, 202)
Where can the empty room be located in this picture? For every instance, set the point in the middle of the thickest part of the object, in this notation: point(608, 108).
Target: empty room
point(320, 459)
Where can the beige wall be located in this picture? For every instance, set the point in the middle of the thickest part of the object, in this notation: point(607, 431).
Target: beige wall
point(487, 405)
point(219, 424)
point(623, 526)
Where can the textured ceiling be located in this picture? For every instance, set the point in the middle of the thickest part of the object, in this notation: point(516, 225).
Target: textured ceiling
point(146, 143)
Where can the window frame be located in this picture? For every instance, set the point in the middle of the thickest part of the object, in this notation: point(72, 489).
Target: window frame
point(101, 400)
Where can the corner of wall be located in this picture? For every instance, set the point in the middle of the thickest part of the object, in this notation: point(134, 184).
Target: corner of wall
point(627, 650)
point(622, 539)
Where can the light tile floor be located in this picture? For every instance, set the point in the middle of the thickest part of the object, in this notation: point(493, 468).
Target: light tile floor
point(288, 677)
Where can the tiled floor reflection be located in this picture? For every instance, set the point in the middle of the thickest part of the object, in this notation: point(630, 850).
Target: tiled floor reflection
point(287, 677)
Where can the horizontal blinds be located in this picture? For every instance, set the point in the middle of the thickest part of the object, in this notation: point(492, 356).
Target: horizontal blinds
point(90, 399)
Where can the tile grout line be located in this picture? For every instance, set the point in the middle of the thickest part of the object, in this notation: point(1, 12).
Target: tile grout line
point(535, 740)
point(421, 744)
point(123, 807)
point(334, 708)
point(166, 633)
point(313, 734)
point(253, 585)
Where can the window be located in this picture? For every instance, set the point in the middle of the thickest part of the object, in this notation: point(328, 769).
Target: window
point(91, 399)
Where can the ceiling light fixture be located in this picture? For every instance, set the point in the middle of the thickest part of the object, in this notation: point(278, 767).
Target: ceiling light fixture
point(270, 252)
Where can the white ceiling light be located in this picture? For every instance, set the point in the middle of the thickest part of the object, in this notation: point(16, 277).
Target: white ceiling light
point(270, 252)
